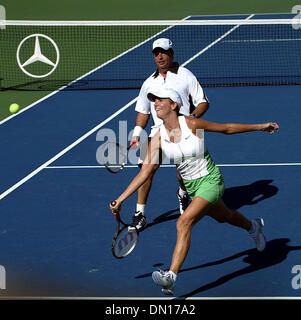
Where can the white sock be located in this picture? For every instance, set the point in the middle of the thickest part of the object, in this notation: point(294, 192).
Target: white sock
point(140, 208)
point(173, 275)
point(181, 192)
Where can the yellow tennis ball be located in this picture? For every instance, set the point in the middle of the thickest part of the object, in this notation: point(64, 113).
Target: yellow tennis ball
point(14, 108)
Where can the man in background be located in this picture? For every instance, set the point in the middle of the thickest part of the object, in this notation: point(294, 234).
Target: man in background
point(195, 104)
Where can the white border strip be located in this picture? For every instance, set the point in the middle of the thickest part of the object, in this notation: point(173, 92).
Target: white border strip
point(146, 22)
point(244, 14)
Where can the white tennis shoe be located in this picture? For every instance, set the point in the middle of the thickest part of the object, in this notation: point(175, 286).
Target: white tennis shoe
point(257, 234)
point(165, 280)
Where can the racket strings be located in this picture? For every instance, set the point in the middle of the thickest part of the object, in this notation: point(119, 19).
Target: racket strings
point(124, 243)
point(114, 156)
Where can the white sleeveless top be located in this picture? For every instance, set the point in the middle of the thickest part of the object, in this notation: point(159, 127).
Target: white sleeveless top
point(189, 153)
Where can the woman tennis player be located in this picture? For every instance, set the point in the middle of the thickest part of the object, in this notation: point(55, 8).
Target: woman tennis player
point(181, 139)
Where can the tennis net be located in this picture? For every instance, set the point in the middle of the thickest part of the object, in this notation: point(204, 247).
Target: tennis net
point(79, 55)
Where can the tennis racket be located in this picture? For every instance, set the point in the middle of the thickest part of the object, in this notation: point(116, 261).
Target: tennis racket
point(124, 241)
point(113, 156)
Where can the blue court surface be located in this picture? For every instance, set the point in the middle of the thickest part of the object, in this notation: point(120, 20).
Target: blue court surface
point(56, 228)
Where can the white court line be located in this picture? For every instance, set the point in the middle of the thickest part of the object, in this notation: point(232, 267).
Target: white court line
point(28, 107)
point(173, 165)
point(47, 163)
point(215, 42)
point(261, 40)
point(259, 164)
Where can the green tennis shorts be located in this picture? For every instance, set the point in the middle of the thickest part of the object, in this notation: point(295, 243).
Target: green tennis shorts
point(210, 187)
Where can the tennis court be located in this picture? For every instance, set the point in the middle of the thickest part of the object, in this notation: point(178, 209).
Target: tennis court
point(56, 226)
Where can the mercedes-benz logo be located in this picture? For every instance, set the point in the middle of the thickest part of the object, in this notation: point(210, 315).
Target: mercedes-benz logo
point(38, 56)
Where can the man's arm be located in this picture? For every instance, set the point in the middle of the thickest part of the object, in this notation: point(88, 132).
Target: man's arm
point(141, 122)
point(197, 97)
point(200, 109)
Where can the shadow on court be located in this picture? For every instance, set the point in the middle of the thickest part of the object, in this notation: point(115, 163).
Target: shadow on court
point(237, 197)
point(167, 216)
point(275, 252)
point(234, 198)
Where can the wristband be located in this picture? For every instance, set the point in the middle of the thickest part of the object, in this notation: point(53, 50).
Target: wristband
point(137, 131)
point(193, 115)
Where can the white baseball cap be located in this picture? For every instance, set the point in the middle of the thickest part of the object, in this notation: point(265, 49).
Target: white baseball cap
point(162, 43)
point(164, 93)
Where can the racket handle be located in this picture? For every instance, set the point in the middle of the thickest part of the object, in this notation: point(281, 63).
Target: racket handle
point(116, 214)
point(134, 144)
